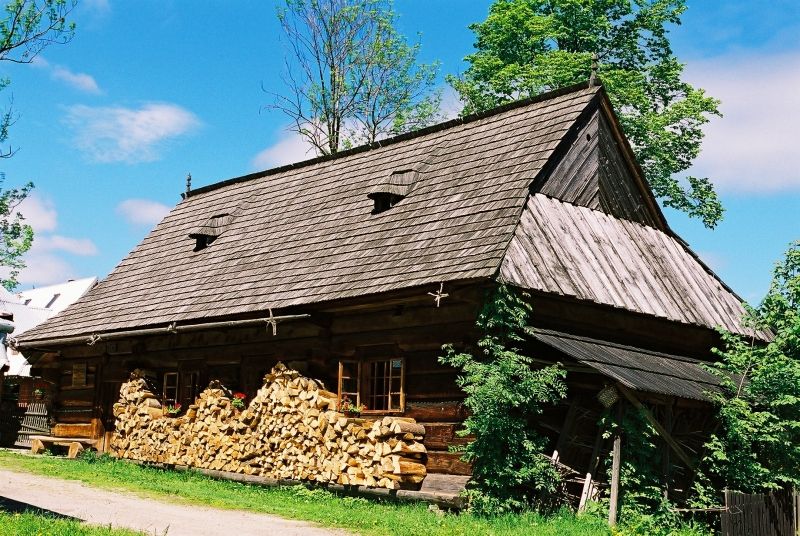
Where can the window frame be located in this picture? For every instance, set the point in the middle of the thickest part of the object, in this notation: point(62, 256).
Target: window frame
point(186, 386)
point(165, 401)
point(363, 393)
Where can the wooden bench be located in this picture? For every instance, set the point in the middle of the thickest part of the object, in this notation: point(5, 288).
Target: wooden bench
point(76, 445)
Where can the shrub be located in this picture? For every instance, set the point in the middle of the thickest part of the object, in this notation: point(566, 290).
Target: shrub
point(505, 393)
point(758, 442)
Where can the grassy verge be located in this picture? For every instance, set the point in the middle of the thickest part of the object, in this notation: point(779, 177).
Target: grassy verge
point(31, 524)
point(356, 514)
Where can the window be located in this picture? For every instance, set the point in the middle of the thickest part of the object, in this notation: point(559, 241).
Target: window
point(190, 386)
point(180, 388)
point(376, 383)
point(169, 395)
point(205, 235)
point(384, 202)
point(388, 191)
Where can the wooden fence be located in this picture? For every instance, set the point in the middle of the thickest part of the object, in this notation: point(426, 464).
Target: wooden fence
point(773, 514)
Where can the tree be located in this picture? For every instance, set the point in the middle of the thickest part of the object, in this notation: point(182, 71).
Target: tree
point(28, 27)
point(505, 393)
point(525, 47)
point(351, 77)
point(757, 445)
point(16, 237)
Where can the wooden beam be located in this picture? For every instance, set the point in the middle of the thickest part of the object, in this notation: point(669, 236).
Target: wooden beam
point(616, 452)
point(564, 437)
point(657, 425)
point(594, 461)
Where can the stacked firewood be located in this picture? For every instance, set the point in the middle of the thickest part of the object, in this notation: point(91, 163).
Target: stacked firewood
point(290, 430)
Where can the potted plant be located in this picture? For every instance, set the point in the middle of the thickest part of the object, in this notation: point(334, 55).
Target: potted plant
point(347, 407)
point(174, 411)
point(238, 400)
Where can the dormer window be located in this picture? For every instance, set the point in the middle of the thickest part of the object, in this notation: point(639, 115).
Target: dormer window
point(391, 190)
point(205, 235)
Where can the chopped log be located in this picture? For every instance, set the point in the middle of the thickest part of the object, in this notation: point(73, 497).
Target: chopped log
point(404, 427)
point(289, 431)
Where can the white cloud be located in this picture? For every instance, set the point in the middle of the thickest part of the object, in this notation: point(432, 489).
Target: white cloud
point(45, 262)
point(753, 148)
point(142, 211)
point(98, 6)
point(81, 81)
point(40, 62)
point(75, 246)
point(451, 104)
point(289, 149)
point(716, 261)
point(45, 269)
point(118, 134)
point(39, 212)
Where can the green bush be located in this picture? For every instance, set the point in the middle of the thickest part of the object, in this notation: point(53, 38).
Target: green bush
point(505, 394)
point(757, 446)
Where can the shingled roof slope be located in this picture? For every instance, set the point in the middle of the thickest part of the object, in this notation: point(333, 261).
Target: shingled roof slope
point(583, 253)
point(306, 234)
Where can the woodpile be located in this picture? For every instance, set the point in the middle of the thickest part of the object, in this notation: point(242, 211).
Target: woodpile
point(290, 430)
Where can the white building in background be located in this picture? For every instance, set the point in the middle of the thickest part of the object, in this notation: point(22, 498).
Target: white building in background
point(32, 307)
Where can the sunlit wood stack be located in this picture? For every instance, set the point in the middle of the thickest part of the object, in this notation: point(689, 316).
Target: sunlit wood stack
point(290, 430)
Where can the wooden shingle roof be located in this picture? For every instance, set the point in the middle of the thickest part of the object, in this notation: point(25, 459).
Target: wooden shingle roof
point(637, 368)
point(305, 233)
point(570, 250)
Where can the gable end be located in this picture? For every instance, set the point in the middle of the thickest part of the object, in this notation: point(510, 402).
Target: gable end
point(595, 168)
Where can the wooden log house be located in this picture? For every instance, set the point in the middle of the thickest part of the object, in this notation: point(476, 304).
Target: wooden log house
point(355, 269)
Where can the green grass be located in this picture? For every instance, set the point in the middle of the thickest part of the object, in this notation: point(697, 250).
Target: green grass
point(356, 514)
point(37, 525)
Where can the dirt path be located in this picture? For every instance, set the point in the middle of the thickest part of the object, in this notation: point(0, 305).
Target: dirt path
point(121, 509)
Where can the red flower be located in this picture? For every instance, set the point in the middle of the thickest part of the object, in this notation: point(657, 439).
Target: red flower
point(240, 396)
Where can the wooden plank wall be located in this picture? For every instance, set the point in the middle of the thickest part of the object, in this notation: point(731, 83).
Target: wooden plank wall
point(772, 514)
point(593, 172)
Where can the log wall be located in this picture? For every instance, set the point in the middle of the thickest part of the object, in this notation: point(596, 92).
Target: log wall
point(407, 326)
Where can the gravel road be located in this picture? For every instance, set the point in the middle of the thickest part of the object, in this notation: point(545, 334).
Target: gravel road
point(122, 509)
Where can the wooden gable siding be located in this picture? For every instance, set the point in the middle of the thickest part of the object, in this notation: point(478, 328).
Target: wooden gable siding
point(574, 177)
point(593, 172)
point(619, 195)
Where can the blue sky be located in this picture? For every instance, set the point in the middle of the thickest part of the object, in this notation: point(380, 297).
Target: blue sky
point(110, 124)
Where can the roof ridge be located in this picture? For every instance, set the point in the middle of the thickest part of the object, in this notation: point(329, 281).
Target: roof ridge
point(399, 138)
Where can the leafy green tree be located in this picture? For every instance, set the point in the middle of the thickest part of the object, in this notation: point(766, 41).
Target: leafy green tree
point(757, 446)
point(16, 237)
point(525, 47)
point(27, 28)
point(505, 393)
point(351, 77)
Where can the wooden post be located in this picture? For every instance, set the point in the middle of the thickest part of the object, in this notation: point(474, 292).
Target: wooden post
point(615, 465)
point(665, 460)
point(594, 461)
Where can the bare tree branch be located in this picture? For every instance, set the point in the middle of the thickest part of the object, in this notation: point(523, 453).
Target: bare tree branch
point(350, 77)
